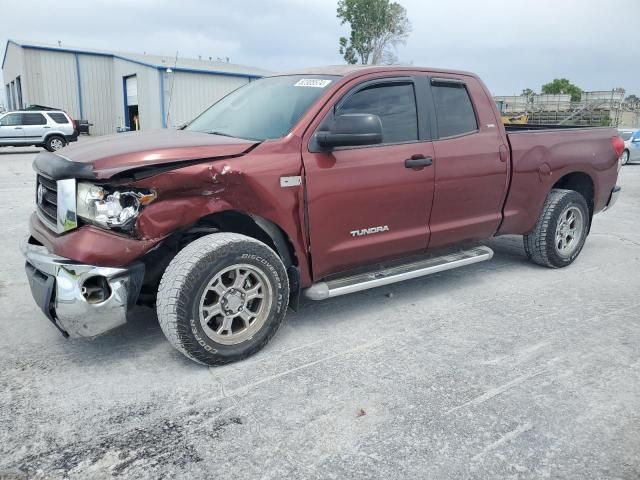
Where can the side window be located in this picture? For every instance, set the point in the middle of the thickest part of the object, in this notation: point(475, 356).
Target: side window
point(454, 110)
point(395, 104)
point(10, 120)
point(58, 117)
point(33, 119)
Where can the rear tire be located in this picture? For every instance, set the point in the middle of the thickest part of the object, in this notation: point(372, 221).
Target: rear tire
point(222, 298)
point(561, 230)
point(624, 158)
point(54, 143)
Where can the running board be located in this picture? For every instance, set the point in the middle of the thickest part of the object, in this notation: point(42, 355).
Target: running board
point(356, 283)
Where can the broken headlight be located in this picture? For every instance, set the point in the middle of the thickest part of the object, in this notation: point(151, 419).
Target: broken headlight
point(111, 207)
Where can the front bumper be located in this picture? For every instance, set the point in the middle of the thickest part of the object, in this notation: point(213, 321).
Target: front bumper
point(81, 300)
point(613, 198)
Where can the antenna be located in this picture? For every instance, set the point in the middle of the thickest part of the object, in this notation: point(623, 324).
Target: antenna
point(173, 81)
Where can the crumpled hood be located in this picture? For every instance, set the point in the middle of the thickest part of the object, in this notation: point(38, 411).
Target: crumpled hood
point(106, 156)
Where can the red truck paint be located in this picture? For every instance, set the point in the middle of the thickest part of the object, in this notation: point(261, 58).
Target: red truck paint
point(481, 184)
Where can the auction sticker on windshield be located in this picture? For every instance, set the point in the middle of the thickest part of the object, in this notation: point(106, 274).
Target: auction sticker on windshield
point(312, 82)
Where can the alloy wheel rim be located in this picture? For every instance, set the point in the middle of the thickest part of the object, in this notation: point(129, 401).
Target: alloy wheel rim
point(235, 304)
point(569, 231)
point(56, 144)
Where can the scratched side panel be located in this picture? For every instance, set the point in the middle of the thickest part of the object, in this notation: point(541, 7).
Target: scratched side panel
point(540, 159)
point(248, 184)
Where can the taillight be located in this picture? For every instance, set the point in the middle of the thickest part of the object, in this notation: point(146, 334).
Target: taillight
point(618, 145)
point(75, 124)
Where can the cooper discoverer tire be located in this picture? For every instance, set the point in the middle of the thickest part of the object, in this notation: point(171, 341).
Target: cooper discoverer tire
point(561, 230)
point(222, 298)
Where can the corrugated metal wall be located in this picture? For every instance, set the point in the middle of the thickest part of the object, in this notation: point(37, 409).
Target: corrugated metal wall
point(194, 92)
point(97, 83)
point(13, 67)
point(51, 80)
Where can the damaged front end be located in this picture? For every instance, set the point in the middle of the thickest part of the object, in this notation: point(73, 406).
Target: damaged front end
point(81, 300)
point(104, 232)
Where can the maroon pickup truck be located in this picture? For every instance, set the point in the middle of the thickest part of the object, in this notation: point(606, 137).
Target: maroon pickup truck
point(316, 183)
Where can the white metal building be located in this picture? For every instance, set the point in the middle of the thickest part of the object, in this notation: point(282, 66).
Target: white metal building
point(113, 90)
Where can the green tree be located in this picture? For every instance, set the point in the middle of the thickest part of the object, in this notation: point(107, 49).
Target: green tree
point(377, 28)
point(562, 86)
point(529, 94)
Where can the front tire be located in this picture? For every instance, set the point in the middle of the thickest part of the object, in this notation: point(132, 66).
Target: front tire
point(561, 230)
point(54, 143)
point(222, 298)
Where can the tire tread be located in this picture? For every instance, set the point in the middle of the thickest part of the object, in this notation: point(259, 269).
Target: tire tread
point(536, 242)
point(178, 279)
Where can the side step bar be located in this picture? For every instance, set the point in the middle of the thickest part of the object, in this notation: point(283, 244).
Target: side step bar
point(356, 283)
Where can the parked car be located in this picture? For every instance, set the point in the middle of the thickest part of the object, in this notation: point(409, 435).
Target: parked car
point(51, 129)
point(631, 152)
point(318, 183)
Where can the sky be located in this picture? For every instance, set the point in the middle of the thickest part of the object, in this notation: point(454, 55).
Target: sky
point(512, 44)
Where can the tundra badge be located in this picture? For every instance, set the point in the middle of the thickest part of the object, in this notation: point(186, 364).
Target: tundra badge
point(369, 231)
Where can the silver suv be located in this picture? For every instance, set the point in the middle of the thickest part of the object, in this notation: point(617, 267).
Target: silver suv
point(51, 129)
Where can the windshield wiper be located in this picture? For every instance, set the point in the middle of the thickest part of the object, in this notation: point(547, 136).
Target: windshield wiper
point(223, 134)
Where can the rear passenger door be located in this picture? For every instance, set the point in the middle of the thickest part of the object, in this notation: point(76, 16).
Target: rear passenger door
point(11, 130)
point(471, 162)
point(34, 125)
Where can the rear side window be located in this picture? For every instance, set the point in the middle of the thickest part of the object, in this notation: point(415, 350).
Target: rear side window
point(33, 119)
point(10, 120)
point(59, 118)
point(454, 110)
point(395, 104)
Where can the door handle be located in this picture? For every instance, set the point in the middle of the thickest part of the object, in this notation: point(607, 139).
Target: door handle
point(46, 127)
point(418, 161)
point(504, 153)
point(18, 128)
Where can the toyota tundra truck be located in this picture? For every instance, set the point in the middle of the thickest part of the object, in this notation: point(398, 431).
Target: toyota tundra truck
point(311, 184)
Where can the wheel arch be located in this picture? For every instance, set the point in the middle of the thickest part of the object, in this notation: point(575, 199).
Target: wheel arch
point(48, 135)
point(582, 183)
point(231, 221)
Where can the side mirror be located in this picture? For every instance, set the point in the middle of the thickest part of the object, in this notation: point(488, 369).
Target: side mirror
point(350, 130)
point(636, 140)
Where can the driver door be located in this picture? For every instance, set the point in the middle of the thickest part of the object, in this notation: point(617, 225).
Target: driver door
point(364, 204)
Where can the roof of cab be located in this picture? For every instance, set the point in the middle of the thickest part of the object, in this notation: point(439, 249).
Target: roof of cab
point(355, 70)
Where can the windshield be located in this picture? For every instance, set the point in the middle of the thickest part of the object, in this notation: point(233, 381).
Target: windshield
point(626, 135)
point(264, 109)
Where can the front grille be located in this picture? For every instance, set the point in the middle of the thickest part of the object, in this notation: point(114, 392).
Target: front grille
point(47, 201)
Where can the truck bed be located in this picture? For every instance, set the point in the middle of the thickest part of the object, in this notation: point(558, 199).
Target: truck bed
point(541, 155)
